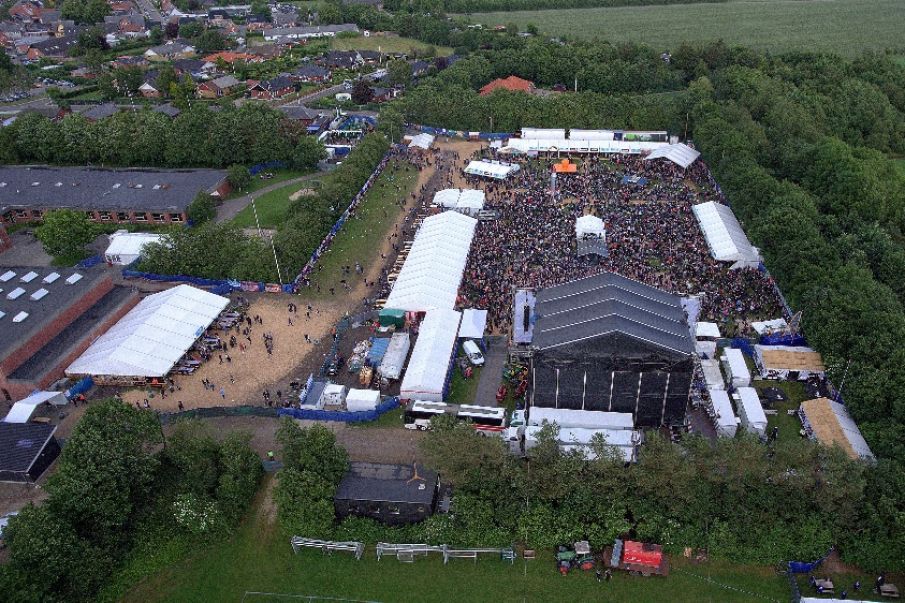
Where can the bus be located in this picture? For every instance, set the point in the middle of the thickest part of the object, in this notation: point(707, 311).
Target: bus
point(486, 420)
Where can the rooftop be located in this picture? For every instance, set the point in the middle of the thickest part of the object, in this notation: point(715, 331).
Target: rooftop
point(30, 298)
point(21, 443)
point(23, 187)
point(388, 483)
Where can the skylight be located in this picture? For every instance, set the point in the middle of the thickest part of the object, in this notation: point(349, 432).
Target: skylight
point(20, 316)
point(76, 277)
point(29, 277)
point(15, 293)
point(39, 294)
point(2, 314)
point(7, 276)
point(51, 277)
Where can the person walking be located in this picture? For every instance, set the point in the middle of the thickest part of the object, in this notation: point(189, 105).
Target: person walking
point(222, 393)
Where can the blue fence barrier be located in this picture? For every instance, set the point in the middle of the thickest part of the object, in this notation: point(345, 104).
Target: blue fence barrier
point(794, 340)
point(269, 165)
point(90, 262)
point(744, 345)
point(340, 416)
point(79, 388)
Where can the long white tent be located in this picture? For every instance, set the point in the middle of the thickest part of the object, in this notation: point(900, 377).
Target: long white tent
point(22, 410)
point(491, 169)
point(433, 270)
point(467, 201)
point(680, 154)
point(750, 411)
point(725, 237)
point(578, 145)
point(724, 418)
point(425, 376)
point(153, 336)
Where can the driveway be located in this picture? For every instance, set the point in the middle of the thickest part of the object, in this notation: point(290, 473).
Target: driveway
point(492, 373)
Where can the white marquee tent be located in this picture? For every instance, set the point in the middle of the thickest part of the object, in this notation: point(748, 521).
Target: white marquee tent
point(468, 201)
point(589, 225)
point(153, 336)
point(707, 329)
point(577, 145)
point(125, 247)
point(680, 154)
point(422, 141)
point(474, 323)
point(425, 377)
point(22, 410)
point(725, 237)
point(491, 169)
point(432, 272)
point(724, 419)
point(750, 411)
point(543, 133)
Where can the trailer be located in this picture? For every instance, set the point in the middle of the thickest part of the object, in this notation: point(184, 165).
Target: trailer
point(625, 441)
point(638, 558)
point(587, 419)
point(736, 369)
point(750, 411)
point(394, 358)
point(724, 419)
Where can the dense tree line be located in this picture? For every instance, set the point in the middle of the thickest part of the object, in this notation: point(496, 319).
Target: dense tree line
point(222, 251)
point(198, 137)
point(476, 6)
point(116, 490)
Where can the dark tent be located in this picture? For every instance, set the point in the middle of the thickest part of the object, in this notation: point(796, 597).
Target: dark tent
point(613, 344)
point(26, 450)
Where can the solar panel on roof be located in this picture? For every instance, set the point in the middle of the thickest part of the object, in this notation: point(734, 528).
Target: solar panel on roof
point(51, 277)
point(20, 316)
point(15, 293)
point(76, 277)
point(39, 294)
point(29, 277)
point(9, 274)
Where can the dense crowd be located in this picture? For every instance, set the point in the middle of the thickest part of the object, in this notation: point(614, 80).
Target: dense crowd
point(651, 235)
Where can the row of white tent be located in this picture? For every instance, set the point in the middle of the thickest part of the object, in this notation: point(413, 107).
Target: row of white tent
point(491, 169)
point(751, 414)
point(432, 272)
point(725, 237)
point(467, 201)
point(428, 368)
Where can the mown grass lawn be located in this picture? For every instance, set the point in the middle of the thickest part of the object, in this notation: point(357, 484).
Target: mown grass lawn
point(257, 183)
point(272, 208)
point(362, 237)
point(259, 559)
point(462, 390)
point(847, 27)
point(385, 44)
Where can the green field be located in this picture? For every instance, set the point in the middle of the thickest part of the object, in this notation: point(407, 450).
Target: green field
point(385, 44)
point(361, 238)
point(259, 559)
point(272, 207)
point(847, 27)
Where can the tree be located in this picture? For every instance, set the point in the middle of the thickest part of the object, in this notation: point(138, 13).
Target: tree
point(211, 41)
point(399, 73)
point(531, 28)
point(511, 29)
point(202, 209)
point(362, 93)
point(307, 153)
point(65, 233)
point(313, 449)
point(171, 30)
point(191, 30)
point(238, 177)
point(91, 39)
point(260, 8)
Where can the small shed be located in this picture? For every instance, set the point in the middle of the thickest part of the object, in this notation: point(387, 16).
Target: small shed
point(26, 451)
point(750, 411)
point(391, 317)
point(391, 494)
point(361, 400)
point(736, 369)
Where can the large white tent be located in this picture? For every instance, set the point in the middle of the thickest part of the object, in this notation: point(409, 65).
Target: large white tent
point(425, 377)
point(589, 226)
point(750, 411)
point(680, 154)
point(474, 323)
point(153, 336)
point(126, 247)
point(491, 169)
point(725, 237)
point(467, 201)
point(432, 272)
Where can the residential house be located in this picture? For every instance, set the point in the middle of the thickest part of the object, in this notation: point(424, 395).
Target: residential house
point(299, 113)
point(339, 59)
point(289, 34)
point(277, 87)
point(126, 26)
point(419, 68)
point(232, 57)
point(265, 51)
point(168, 109)
point(95, 112)
point(128, 61)
point(9, 34)
point(512, 83)
point(219, 87)
point(122, 7)
point(170, 51)
point(238, 11)
point(52, 48)
point(370, 57)
point(311, 74)
point(148, 88)
point(382, 95)
point(194, 68)
point(285, 16)
point(26, 10)
point(49, 16)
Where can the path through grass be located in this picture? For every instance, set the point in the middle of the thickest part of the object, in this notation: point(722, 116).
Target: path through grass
point(847, 27)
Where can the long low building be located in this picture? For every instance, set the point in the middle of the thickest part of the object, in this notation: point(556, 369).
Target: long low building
point(149, 340)
point(105, 195)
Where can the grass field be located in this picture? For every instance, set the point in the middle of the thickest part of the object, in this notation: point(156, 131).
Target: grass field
point(259, 559)
point(360, 238)
point(272, 208)
point(258, 183)
point(385, 44)
point(847, 27)
point(462, 390)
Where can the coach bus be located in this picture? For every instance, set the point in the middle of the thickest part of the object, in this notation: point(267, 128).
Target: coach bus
point(485, 419)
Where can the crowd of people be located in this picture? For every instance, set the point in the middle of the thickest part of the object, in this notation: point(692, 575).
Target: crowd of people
point(651, 236)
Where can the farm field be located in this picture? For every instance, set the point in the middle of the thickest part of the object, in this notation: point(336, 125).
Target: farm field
point(847, 27)
point(385, 44)
point(259, 559)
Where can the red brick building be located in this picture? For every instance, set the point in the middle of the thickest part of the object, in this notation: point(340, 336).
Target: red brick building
point(48, 318)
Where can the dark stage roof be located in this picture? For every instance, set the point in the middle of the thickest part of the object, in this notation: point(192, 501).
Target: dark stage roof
point(387, 483)
point(21, 443)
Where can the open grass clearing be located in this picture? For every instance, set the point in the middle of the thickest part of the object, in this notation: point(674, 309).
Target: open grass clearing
point(462, 390)
point(259, 559)
point(382, 43)
point(272, 207)
point(847, 27)
point(257, 183)
point(362, 237)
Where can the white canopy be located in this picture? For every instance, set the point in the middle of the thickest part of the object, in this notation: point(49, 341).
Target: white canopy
point(680, 154)
point(125, 247)
point(447, 198)
point(769, 326)
point(724, 420)
point(705, 348)
point(588, 225)
point(491, 169)
point(586, 419)
point(581, 145)
point(153, 336)
point(432, 272)
point(543, 133)
point(707, 329)
point(736, 367)
point(22, 410)
point(358, 400)
point(468, 201)
point(425, 377)
point(474, 322)
point(750, 411)
point(422, 141)
point(725, 237)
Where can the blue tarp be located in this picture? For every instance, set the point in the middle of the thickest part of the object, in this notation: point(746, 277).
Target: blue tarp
point(784, 339)
point(744, 345)
point(626, 179)
point(79, 388)
point(340, 416)
point(270, 165)
point(803, 567)
point(378, 349)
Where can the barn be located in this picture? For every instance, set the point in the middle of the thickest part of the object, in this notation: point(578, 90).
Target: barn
point(609, 343)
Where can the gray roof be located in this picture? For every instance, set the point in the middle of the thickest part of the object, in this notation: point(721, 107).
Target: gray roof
point(21, 443)
point(298, 112)
point(167, 109)
point(60, 296)
point(44, 187)
point(94, 112)
point(227, 81)
point(56, 46)
point(387, 483)
point(608, 303)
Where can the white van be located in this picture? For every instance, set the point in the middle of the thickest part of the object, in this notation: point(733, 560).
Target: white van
point(473, 352)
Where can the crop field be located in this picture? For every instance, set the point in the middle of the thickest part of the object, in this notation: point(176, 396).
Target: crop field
point(385, 44)
point(847, 27)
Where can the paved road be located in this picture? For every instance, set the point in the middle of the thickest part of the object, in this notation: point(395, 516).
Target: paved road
point(492, 373)
point(230, 208)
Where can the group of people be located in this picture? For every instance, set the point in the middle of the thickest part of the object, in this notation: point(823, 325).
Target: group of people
point(651, 236)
